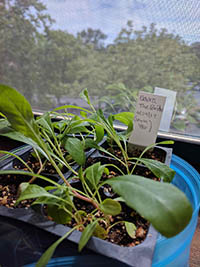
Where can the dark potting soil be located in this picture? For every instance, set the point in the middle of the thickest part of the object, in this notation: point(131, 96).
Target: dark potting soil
point(118, 234)
point(34, 164)
point(9, 192)
point(155, 154)
point(9, 185)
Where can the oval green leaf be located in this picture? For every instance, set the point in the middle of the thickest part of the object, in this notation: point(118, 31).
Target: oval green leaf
point(94, 174)
point(18, 111)
point(58, 214)
point(100, 232)
point(32, 191)
point(76, 149)
point(110, 207)
point(130, 229)
point(164, 205)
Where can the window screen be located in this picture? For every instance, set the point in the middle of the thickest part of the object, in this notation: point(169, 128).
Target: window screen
point(50, 50)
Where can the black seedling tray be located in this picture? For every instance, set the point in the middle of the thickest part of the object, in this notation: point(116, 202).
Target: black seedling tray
point(140, 255)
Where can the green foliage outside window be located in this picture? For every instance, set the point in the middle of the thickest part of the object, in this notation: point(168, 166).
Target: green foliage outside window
point(39, 60)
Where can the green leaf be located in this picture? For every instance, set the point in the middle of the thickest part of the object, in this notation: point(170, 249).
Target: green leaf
point(33, 191)
point(100, 115)
point(49, 187)
point(45, 200)
point(99, 130)
point(130, 229)
point(76, 149)
point(78, 129)
point(86, 235)
point(2, 172)
point(45, 122)
point(119, 199)
point(59, 208)
point(18, 112)
point(159, 169)
point(80, 174)
point(58, 214)
point(15, 135)
point(76, 125)
point(84, 95)
point(49, 252)
point(1, 114)
point(126, 118)
point(100, 232)
point(110, 207)
point(90, 143)
point(164, 205)
point(4, 123)
point(60, 125)
point(93, 174)
point(22, 187)
point(166, 142)
point(83, 114)
point(110, 120)
point(72, 106)
point(106, 171)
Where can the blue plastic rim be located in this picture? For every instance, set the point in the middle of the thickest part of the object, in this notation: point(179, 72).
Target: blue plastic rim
point(174, 252)
point(169, 252)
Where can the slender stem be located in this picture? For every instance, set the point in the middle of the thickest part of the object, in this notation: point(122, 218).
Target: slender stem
point(84, 198)
point(17, 157)
point(115, 137)
point(113, 156)
point(114, 166)
point(67, 211)
point(124, 154)
point(97, 192)
point(93, 211)
point(49, 141)
point(143, 152)
point(108, 229)
point(41, 166)
point(60, 154)
point(39, 171)
point(87, 189)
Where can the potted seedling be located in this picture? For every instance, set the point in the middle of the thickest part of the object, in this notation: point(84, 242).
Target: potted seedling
point(79, 201)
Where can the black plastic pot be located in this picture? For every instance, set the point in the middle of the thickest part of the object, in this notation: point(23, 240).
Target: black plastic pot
point(140, 255)
point(137, 256)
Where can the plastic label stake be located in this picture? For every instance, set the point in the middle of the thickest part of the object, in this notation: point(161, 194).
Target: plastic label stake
point(148, 113)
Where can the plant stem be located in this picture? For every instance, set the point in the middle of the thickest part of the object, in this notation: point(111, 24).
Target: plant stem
point(60, 154)
point(41, 166)
point(90, 200)
point(17, 157)
point(114, 166)
point(108, 229)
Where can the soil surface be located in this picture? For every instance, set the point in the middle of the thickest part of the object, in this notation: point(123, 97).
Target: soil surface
point(9, 187)
point(118, 234)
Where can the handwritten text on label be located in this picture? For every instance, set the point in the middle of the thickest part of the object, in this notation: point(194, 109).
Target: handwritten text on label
point(147, 118)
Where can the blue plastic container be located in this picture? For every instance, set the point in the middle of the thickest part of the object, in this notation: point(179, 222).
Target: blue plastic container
point(175, 252)
point(169, 252)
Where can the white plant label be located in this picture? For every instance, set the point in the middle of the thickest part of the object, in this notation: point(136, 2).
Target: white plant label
point(168, 109)
point(148, 113)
